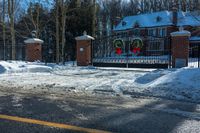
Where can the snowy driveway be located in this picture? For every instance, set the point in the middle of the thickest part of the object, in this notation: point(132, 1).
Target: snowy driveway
point(43, 91)
point(181, 84)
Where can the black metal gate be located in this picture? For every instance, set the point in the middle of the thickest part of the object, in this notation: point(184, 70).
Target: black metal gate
point(194, 55)
point(135, 52)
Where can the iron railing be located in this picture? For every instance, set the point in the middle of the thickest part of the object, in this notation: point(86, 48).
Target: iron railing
point(154, 51)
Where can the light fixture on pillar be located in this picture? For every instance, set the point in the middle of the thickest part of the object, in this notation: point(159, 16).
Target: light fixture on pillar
point(181, 28)
point(33, 34)
point(85, 33)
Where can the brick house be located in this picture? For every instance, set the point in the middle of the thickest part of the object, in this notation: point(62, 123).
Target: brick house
point(158, 26)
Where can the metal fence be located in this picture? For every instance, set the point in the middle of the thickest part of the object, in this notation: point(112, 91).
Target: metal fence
point(6, 52)
point(194, 55)
point(132, 51)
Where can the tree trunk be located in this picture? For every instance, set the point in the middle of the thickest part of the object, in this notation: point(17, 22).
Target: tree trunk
point(94, 19)
point(57, 34)
point(12, 27)
point(4, 32)
point(37, 22)
point(63, 38)
point(63, 20)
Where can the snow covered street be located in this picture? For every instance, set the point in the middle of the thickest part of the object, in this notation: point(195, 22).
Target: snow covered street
point(114, 114)
point(179, 84)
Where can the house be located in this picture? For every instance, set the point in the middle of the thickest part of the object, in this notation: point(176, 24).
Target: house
point(154, 29)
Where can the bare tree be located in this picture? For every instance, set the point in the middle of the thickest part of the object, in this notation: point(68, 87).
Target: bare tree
point(11, 14)
point(63, 8)
point(4, 29)
point(94, 17)
point(57, 32)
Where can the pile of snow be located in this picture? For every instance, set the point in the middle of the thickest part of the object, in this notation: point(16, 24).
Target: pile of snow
point(184, 78)
point(20, 66)
point(181, 83)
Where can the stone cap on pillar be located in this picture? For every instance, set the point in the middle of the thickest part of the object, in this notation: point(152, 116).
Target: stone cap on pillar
point(33, 40)
point(181, 32)
point(84, 37)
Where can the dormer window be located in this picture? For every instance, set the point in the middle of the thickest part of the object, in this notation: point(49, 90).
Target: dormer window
point(158, 19)
point(123, 23)
point(136, 25)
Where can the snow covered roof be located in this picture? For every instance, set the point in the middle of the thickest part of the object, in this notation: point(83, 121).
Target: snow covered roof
point(157, 19)
point(33, 40)
point(181, 33)
point(195, 39)
point(84, 37)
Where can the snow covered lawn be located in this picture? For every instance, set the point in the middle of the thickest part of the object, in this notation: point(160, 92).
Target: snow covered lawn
point(172, 83)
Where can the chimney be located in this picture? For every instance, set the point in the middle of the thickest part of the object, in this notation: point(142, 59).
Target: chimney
point(117, 20)
point(174, 15)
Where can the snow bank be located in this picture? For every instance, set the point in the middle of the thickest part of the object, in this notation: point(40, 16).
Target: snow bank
point(181, 83)
point(20, 66)
point(185, 78)
point(2, 69)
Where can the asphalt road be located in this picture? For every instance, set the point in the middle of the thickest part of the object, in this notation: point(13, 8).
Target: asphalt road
point(108, 113)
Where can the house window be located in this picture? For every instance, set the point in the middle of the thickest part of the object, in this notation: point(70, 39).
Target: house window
point(154, 32)
point(124, 34)
point(136, 32)
point(131, 33)
point(158, 19)
point(136, 25)
point(123, 23)
point(162, 32)
point(156, 46)
point(151, 32)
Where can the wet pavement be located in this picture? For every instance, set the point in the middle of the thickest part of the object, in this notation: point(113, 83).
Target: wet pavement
point(114, 114)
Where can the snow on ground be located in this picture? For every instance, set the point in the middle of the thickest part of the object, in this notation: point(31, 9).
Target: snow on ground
point(19, 66)
point(181, 83)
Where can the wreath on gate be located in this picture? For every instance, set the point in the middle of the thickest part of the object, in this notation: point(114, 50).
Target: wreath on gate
point(118, 44)
point(136, 46)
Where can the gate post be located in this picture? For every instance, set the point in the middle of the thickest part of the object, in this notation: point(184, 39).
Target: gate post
point(180, 48)
point(84, 50)
point(33, 49)
point(198, 56)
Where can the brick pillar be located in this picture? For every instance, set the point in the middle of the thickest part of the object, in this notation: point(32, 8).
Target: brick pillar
point(180, 48)
point(84, 50)
point(33, 49)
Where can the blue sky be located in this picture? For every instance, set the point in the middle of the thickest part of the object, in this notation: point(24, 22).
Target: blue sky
point(45, 3)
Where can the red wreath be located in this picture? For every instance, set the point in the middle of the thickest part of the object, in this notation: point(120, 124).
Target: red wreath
point(118, 44)
point(118, 51)
point(136, 46)
point(136, 50)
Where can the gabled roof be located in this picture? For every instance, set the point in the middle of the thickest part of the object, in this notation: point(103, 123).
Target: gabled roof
point(151, 20)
